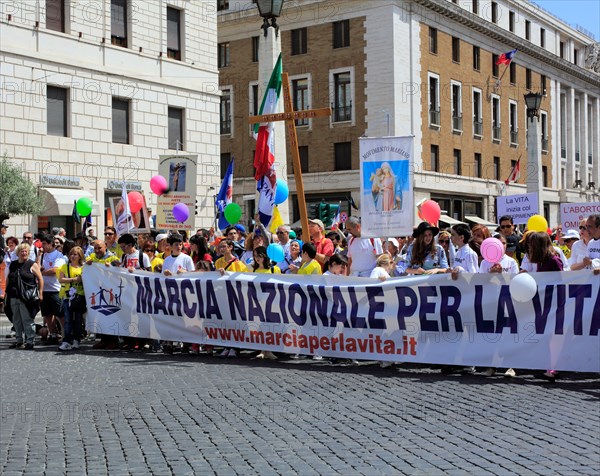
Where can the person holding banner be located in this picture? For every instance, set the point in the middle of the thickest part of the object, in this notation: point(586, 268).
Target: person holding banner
point(177, 262)
point(424, 256)
point(291, 264)
point(479, 233)
point(309, 263)
point(578, 257)
point(228, 261)
point(465, 259)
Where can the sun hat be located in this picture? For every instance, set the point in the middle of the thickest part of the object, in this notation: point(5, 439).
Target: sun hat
point(423, 227)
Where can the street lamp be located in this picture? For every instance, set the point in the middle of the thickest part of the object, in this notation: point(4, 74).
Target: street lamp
point(270, 9)
point(535, 182)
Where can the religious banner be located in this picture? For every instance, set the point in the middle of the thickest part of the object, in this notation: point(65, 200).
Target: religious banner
point(426, 319)
point(386, 189)
point(180, 172)
point(519, 207)
point(571, 214)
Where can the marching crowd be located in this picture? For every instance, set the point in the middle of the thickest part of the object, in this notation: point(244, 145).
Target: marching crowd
point(43, 272)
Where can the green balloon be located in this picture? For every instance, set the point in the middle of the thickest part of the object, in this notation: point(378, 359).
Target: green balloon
point(233, 213)
point(84, 206)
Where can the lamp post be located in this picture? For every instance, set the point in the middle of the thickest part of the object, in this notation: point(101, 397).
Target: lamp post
point(534, 158)
point(269, 48)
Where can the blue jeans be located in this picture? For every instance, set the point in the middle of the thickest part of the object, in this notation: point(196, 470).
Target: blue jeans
point(73, 323)
point(23, 321)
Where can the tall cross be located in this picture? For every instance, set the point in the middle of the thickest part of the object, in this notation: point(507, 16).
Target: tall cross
point(290, 116)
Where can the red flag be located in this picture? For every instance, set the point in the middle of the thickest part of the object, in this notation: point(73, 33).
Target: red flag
point(506, 58)
point(515, 173)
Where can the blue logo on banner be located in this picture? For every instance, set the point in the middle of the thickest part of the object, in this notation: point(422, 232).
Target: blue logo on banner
point(106, 301)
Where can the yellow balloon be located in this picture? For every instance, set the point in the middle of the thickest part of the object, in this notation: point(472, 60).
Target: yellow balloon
point(537, 223)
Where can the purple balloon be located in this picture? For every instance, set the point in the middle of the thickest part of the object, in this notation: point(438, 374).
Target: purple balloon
point(181, 212)
point(492, 250)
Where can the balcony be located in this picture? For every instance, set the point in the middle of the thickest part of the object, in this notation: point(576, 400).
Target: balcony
point(226, 127)
point(434, 118)
point(514, 137)
point(544, 144)
point(342, 113)
point(496, 133)
point(477, 128)
point(457, 123)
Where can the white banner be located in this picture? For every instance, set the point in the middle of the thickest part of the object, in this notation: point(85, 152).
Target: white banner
point(432, 319)
point(571, 214)
point(519, 207)
point(386, 189)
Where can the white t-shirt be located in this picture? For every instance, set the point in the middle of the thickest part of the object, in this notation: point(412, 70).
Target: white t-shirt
point(132, 260)
point(579, 251)
point(364, 253)
point(466, 260)
point(54, 259)
point(379, 272)
point(508, 264)
point(181, 262)
point(593, 249)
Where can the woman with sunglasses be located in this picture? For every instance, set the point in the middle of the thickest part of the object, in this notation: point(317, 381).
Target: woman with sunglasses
point(444, 242)
point(579, 248)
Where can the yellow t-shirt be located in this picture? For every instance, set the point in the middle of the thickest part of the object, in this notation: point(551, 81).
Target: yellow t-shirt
point(276, 270)
point(105, 259)
point(155, 262)
point(312, 267)
point(72, 272)
point(236, 266)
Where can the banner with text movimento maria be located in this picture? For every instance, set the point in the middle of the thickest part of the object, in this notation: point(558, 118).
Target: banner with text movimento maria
point(433, 319)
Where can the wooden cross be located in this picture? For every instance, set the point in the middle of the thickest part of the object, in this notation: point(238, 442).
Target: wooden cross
point(290, 116)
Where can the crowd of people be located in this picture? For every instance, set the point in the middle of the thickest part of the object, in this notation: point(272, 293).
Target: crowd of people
point(43, 272)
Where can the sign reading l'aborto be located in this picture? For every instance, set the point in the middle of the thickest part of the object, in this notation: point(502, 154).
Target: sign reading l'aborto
point(571, 214)
point(180, 172)
point(519, 207)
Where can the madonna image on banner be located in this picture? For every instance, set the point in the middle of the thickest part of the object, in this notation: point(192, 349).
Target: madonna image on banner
point(386, 190)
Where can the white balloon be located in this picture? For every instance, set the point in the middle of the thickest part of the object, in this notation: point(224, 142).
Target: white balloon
point(523, 287)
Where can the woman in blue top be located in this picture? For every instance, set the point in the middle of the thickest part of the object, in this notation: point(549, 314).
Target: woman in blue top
point(424, 256)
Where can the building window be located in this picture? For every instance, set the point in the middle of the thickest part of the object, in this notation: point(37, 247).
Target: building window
point(120, 121)
point(223, 56)
point(118, 22)
point(477, 114)
point(299, 41)
point(544, 129)
point(562, 49)
point(476, 58)
point(494, 12)
point(56, 111)
point(544, 176)
point(435, 158)
point(511, 22)
point(255, 43)
point(477, 165)
point(55, 15)
point(513, 73)
point(457, 162)
point(434, 101)
point(475, 7)
point(455, 49)
point(342, 106)
point(543, 84)
point(542, 37)
point(226, 111)
point(173, 33)
point(456, 107)
point(527, 30)
point(341, 34)
point(222, 5)
point(528, 78)
point(343, 155)
point(433, 45)
point(300, 98)
point(224, 163)
point(494, 65)
point(496, 129)
point(575, 56)
point(176, 129)
point(513, 123)
point(255, 100)
point(496, 168)
point(303, 151)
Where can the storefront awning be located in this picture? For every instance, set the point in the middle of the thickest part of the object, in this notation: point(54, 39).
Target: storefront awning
point(59, 201)
point(481, 221)
point(450, 221)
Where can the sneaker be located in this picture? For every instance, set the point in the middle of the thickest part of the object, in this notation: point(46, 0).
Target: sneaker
point(510, 373)
point(65, 346)
point(385, 365)
point(167, 349)
point(489, 372)
point(16, 345)
point(468, 370)
point(317, 357)
point(195, 349)
point(270, 355)
point(75, 344)
point(232, 353)
point(225, 353)
point(28, 347)
point(551, 375)
point(295, 356)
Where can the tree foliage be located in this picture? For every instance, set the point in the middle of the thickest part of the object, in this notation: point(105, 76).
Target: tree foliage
point(18, 196)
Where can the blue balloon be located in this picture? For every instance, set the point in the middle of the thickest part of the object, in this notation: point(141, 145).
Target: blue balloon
point(275, 252)
point(282, 192)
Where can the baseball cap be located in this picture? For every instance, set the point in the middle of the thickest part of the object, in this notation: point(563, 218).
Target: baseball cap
point(511, 243)
point(316, 221)
point(4, 225)
point(161, 236)
point(240, 228)
point(394, 242)
point(571, 234)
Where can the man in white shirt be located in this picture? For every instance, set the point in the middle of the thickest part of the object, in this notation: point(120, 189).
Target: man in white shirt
point(177, 262)
point(131, 257)
point(465, 259)
point(362, 252)
point(51, 305)
point(593, 247)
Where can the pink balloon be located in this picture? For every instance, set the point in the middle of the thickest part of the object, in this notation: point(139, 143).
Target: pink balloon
point(136, 201)
point(181, 212)
point(158, 184)
point(430, 211)
point(492, 250)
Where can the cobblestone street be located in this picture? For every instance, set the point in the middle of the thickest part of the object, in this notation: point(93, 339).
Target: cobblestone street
point(116, 413)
